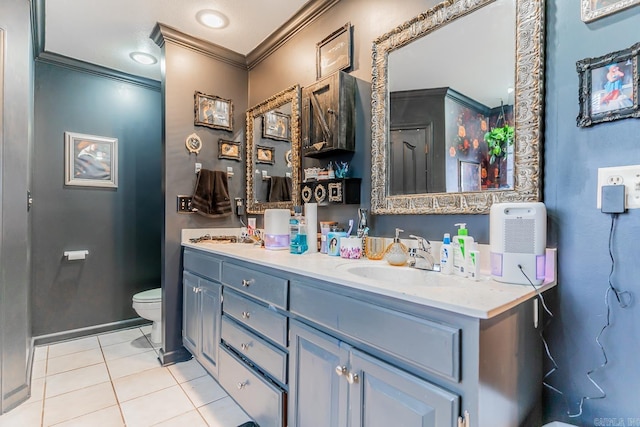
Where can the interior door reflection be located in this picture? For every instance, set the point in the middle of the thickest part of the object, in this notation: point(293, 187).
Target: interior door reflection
point(411, 161)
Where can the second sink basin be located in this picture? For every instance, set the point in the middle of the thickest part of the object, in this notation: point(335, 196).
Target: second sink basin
point(386, 273)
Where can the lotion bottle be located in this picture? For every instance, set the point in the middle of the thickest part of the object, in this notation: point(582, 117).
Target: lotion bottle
point(473, 261)
point(397, 253)
point(446, 257)
point(461, 247)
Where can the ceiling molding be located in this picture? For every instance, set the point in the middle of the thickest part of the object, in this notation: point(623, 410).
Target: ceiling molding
point(162, 33)
point(97, 70)
point(38, 26)
point(305, 16)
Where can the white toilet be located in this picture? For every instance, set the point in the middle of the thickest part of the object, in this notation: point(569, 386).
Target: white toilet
point(148, 305)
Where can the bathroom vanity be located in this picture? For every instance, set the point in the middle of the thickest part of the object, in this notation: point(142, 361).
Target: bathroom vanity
point(313, 340)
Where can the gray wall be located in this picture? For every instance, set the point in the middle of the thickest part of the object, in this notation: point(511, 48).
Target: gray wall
point(188, 70)
point(580, 231)
point(120, 227)
point(16, 124)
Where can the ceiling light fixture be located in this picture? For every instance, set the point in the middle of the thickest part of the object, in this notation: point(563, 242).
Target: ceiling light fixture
point(143, 58)
point(212, 19)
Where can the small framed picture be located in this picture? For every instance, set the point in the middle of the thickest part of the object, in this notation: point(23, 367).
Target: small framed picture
point(229, 150)
point(265, 155)
point(213, 112)
point(90, 161)
point(276, 125)
point(469, 176)
point(608, 87)
point(594, 9)
point(334, 52)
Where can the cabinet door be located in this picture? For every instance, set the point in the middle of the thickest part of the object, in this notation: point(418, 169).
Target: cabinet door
point(210, 317)
point(382, 396)
point(317, 390)
point(190, 312)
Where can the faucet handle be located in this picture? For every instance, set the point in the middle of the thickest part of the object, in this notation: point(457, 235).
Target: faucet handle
point(423, 243)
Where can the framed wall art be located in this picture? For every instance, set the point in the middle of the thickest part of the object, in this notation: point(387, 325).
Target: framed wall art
point(229, 150)
point(608, 87)
point(590, 10)
point(334, 52)
point(213, 112)
point(90, 161)
point(276, 125)
point(265, 155)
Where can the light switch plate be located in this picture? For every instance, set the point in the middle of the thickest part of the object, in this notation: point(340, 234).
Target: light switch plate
point(628, 176)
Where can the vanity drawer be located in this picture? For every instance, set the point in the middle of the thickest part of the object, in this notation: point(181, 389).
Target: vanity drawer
point(264, 320)
point(262, 286)
point(425, 344)
point(202, 264)
point(269, 358)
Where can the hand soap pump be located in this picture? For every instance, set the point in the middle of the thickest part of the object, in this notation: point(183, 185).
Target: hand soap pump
point(397, 253)
point(461, 246)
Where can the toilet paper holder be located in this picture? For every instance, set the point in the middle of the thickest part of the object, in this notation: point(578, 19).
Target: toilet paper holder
point(76, 255)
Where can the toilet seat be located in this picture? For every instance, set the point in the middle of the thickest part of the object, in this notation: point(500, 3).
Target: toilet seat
point(150, 296)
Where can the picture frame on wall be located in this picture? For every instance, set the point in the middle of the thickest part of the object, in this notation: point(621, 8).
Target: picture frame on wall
point(90, 160)
point(608, 87)
point(590, 10)
point(213, 112)
point(265, 155)
point(335, 52)
point(276, 125)
point(229, 150)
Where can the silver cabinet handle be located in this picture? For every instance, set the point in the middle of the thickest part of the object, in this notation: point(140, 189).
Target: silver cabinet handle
point(246, 282)
point(246, 314)
point(341, 370)
point(242, 385)
point(244, 346)
point(352, 378)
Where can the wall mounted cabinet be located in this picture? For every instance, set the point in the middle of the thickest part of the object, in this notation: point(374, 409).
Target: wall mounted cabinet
point(331, 191)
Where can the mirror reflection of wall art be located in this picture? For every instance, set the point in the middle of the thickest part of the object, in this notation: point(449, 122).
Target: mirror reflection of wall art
point(594, 9)
point(229, 150)
point(213, 112)
point(469, 176)
point(90, 161)
point(265, 155)
point(276, 125)
point(609, 87)
point(334, 52)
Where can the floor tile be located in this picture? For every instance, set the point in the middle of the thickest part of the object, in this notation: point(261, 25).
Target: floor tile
point(107, 417)
point(118, 337)
point(76, 379)
point(142, 383)
point(69, 347)
point(77, 403)
point(128, 348)
point(203, 390)
point(69, 362)
point(25, 415)
point(187, 371)
point(156, 407)
point(40, 353)
point(124, 366)
point(191, 419)
point(223, 413)
point(39, 369)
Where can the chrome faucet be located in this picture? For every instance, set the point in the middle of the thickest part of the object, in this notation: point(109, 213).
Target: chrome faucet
point(421, 257)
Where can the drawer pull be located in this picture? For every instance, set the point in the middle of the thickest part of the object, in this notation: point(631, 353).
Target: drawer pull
point(352, 378)
point(242, 385)
point(244, 346)
point(341, 370)
point(246, 282)
point(246, 315)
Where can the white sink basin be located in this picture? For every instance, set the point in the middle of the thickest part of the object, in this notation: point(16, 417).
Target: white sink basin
point(386, 273)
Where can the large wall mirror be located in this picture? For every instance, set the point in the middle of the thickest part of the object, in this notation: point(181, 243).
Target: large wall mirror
point(457, 108)
point(273, 152)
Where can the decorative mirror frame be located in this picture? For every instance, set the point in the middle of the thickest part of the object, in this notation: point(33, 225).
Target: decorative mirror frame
point(528, 113)
point(292, 95)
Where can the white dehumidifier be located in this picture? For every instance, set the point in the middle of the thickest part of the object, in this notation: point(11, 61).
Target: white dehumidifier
point(518, 237)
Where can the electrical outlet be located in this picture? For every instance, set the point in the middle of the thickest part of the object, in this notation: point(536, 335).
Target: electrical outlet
point(628, 176)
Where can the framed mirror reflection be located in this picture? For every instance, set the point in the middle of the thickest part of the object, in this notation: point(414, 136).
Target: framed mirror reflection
point(273, 152)
point(456, 108)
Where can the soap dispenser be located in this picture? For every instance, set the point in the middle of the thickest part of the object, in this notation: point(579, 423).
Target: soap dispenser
point(397, 253)
point(461, 246)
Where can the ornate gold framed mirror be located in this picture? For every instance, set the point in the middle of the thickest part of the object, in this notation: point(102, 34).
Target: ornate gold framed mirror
point(452, 187)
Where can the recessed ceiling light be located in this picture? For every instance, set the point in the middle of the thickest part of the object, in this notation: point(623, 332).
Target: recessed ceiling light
point(143, 58)
point(212, 19)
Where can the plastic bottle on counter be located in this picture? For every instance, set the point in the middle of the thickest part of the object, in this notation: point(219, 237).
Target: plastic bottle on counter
point(446, 257)
point(462, 245)
point(473, 262)
point(298, 232)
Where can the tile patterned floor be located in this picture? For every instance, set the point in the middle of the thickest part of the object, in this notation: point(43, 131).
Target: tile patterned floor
point(115, 379)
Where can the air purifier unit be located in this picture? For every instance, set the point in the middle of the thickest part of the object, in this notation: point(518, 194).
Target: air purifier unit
point(518, 238)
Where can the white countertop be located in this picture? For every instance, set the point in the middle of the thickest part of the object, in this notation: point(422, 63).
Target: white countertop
point(482, 299)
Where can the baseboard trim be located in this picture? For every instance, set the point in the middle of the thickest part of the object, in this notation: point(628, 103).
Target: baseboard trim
point(175, 356)
point(88, 331)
